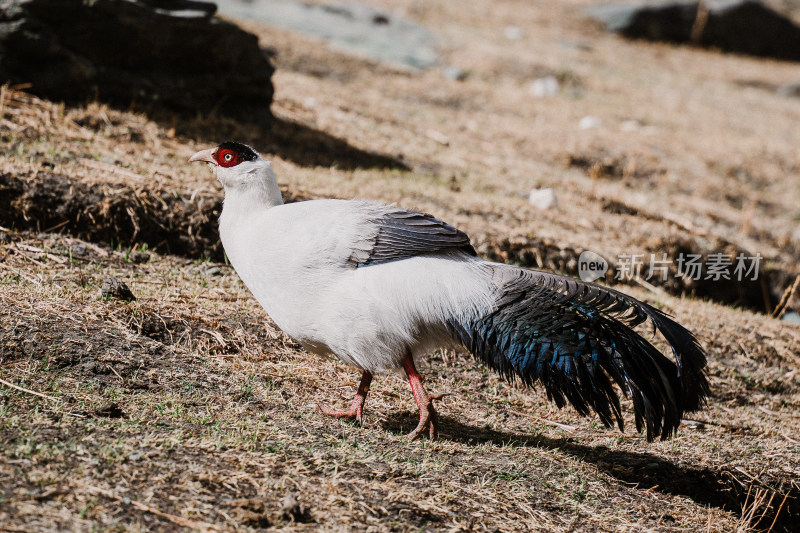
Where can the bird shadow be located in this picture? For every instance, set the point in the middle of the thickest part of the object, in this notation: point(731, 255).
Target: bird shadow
point(289, 140)
point(642, 470)
point(309, 147)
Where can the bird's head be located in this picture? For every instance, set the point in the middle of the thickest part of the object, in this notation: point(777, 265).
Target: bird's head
point(235, 164)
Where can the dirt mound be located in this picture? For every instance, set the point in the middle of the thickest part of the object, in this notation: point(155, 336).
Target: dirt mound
point(167, 220)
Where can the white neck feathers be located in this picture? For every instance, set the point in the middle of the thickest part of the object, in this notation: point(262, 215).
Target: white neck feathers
point(254, 192)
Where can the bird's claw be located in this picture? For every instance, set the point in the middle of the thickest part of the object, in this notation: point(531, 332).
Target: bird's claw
point(356, 410)
point(354, 413)
point(428, 418)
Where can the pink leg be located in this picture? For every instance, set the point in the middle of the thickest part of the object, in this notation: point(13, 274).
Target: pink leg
point(427, 414)
point(357, 408)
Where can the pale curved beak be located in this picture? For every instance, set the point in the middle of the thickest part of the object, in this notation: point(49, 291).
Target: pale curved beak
point(204, 155)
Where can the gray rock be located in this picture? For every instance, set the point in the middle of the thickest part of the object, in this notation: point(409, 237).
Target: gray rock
point(165, 52)
point(138, 257)
point(454, 73)
point(739, 26)
point(667, 21)
point(114, 288)
point(791, 317)
point(352, 26)
point(111, 410)
point(789, 89)
point(78, 249)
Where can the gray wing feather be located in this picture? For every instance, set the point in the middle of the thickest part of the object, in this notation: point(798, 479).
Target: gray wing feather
point(402, 234)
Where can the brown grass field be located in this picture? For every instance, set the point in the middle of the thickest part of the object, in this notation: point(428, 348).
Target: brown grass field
point(188, 410)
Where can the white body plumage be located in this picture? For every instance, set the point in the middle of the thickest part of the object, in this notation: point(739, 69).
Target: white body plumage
point(296, 260)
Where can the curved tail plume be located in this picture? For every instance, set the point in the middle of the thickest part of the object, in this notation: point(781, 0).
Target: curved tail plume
point(577, 339)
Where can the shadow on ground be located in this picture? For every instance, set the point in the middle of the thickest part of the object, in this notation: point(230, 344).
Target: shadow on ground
point(641, 470)
point(292, 141)
point(308, 147)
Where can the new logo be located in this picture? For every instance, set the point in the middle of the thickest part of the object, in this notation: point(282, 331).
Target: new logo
point(591, 266)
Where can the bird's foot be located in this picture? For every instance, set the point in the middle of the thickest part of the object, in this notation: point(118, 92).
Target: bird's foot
point(428, 417)
point(424, 400)
point(356, 412)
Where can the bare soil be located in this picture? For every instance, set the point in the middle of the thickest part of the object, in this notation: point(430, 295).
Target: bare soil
point(188, 409)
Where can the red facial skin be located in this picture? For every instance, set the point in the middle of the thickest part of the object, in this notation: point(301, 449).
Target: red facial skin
point(226, 158)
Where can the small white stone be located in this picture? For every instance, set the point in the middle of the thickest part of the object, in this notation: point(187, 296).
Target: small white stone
point(630, 125)
point(543, 198)
point(544, 87)
point(514, 33)
point(454, 73)
point(589, 122)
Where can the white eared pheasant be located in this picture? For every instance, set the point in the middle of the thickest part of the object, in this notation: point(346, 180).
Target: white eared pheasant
point(380, 287)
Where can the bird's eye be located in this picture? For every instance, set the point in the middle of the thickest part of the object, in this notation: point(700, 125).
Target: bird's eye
point(227, 158)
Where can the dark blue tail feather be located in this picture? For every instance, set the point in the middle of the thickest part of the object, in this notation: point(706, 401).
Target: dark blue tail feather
point(577, 340)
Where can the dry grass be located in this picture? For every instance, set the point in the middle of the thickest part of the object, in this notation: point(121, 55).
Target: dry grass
point(187, 408)
point(191, 404)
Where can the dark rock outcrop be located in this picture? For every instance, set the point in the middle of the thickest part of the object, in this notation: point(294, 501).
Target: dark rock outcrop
point(115, 289)
point(168, 53)
point(739, 26)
